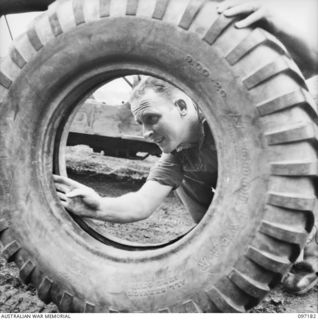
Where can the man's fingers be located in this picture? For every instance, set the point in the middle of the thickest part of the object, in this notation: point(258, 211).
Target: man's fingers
point(67, 206)
point(62, 187)
point(252, 18)
point(75, 193)
point(62, 196)
point(244, 8)
point(227, 5)
point(66, 181)
point(64, 203)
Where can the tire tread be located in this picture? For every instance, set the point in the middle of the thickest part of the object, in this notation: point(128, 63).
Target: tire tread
point(299, 168)
point(217, 28)
point(5, 81)
point(288, 100)
point(293, 133)
point(250, 286)
point(160, 9)
point(34, 39)
point(281, 232)
point(66, 302)
point(293, 201)
point(26, 271)
point(17, 58)
point(9, 250)
point(132, 6)
point(223, 302)
point(78, 12)
point(268, 260)
point(44, 289)
point(256, 38)
point(190, 13)
point(280, 65)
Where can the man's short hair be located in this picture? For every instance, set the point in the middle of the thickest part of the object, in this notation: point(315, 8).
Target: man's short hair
point(157, 85)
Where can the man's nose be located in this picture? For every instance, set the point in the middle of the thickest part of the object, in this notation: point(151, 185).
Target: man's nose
point(147, 132)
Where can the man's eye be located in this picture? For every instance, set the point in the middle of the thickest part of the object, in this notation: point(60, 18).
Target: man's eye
point(151, 119)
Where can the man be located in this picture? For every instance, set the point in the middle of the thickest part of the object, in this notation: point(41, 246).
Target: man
point(303, 47)
point(189, 162)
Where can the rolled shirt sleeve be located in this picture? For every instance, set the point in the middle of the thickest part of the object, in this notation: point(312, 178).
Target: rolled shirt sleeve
point(167, 171)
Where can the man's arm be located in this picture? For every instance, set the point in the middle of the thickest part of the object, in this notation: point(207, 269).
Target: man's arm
point(134, 206)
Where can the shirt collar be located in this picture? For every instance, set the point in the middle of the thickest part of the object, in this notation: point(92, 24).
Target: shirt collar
point(204, 129)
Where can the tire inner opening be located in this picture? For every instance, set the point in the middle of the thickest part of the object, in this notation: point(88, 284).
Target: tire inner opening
point(105, 150)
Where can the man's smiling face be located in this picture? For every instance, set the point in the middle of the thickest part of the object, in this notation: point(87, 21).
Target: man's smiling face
point(161, 120)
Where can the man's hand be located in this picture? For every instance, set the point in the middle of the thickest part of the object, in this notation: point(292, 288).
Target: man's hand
point(78, 198)
point(254, 10)
point(130, 207)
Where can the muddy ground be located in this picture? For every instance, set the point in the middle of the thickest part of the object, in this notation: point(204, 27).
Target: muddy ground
point(112, 177)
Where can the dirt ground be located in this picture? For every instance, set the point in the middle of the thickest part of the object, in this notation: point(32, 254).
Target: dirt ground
point(112, 177)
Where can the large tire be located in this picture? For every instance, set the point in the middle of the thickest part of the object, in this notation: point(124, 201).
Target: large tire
point(264, 123)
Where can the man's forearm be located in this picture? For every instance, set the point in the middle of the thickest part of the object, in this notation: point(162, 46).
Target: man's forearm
point(124, 209)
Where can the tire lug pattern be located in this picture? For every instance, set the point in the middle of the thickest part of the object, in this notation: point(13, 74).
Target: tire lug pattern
point(281, 232)
point(9, 72)
point(25, 48)
point(270, 70)
point(191, 307)
point(295, 169)
point(34, 39)
point(17, 58)
point(188, 306)
point(89, 307)
point(223, 302)
point(26, 271)
point(132, 6)
point(253, 40)
point(66, 302)
point(219, 26)
point(78, 12)
point(104, 7)
point(190, 13)
point(5, 81)
point(250, 286)
point(65, 15)
point(160, 9)
point(268, 261)
point(44, 289)
point(300, 132)
point(288, 100)
point(43, 28)
point(10, 249)
point(55, 24)
point(292, 201)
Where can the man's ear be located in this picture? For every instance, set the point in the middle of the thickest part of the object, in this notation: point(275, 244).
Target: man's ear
point(182, 107)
